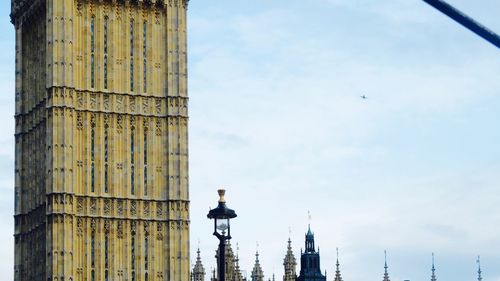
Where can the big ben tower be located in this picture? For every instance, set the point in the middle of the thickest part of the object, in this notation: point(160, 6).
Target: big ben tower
point(101, 189)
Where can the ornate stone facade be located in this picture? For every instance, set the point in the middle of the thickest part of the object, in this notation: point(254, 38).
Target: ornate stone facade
point(101, 188)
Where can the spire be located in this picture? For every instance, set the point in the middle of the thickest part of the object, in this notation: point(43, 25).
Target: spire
point(237, 271)
point(257, 273)
point(310, 241)
point(198, 269)
point(479, 277)
point(290, 263)
point(309, 223)
point(338, 276)
point(386, 273)
point(433, 276)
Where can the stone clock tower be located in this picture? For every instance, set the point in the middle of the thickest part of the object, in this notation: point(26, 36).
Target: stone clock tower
point(101, 189)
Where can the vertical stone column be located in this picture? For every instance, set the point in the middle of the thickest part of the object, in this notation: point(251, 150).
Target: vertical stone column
point(19, 149)
point(60, 87)
point(177, 143)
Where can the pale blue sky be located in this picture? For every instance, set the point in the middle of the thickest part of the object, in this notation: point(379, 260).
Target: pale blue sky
point(276, 118)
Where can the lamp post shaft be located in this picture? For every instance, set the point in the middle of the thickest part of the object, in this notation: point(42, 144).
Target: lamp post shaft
point(222, 260)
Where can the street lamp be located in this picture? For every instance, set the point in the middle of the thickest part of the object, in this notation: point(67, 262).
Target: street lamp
point(222, 230)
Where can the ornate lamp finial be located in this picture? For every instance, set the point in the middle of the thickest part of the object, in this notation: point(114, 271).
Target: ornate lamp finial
point(222, 192)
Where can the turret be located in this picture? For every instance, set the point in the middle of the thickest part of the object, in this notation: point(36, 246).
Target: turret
point(198, 273)
point(310, 261)
point(257, 273)
point(290, 264)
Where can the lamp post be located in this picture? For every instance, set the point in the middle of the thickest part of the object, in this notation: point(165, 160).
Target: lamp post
point(222, 230)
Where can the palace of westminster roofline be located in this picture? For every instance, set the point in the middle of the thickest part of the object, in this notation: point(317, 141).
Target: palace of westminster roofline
point(309, 267)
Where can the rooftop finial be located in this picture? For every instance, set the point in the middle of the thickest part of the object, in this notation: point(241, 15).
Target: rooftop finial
point(479, 277)
point(309, 218)
point(222, 192)
point(385, 260)
point(386, 273)
point(433, 276)
point(338, 276)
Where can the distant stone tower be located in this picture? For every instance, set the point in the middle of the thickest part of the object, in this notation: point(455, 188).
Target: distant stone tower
point(310, 261)
point(198, 273)
point(257, 272)
point(101, 189)
point(290, 264)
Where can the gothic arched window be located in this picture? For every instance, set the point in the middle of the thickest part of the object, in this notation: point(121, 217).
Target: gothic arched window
point(146, 254)
point(145, 161)
point(106, 180)
point(92, 157)
point(144, 56)
point(92, 250)
point(106, 251)
point(92, 51)
point(132, 55)
point(106, 23)
point(132, 255)
point(132, 160)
